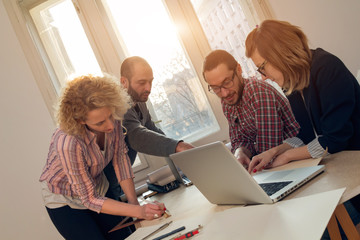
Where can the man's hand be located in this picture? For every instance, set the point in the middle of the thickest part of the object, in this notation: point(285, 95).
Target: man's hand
point(242, 155)
point(182, 146)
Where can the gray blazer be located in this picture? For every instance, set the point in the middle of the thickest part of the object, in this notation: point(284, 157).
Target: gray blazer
point(143, 136)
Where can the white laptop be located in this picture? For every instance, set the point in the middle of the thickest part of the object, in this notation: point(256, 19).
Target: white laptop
point(223, 180)
point(179, 175)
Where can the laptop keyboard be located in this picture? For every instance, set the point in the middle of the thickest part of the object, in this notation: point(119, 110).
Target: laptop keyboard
point(271, 188)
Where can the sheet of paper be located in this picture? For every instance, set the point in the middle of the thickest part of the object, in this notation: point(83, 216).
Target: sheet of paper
point(300, 218)
point(297, 164)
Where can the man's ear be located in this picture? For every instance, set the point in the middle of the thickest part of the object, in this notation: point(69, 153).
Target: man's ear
point(125, 82)
point(238, 69)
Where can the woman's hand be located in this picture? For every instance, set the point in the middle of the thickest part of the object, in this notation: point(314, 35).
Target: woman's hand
point(261, 161)
point(280, 160)
point(153, 210)
point(273, 157)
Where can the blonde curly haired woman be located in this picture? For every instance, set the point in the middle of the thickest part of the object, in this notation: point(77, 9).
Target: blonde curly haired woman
point(89, 137)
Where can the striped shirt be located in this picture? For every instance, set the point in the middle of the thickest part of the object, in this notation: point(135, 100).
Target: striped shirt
point(74, 164)
point(262, 120)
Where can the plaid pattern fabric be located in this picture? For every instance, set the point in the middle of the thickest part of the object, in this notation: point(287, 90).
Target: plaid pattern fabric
point(74, 164)
point(262, 120)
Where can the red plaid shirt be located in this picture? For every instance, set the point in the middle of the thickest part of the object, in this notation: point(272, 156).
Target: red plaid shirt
point(262, 120)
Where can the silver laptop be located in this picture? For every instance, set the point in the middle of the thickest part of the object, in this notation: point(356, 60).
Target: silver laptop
point(179, 175)
point(223, 180)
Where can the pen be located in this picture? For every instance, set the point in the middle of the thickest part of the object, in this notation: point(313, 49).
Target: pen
point(157, 230)
point(170, 233)
point(188, 234)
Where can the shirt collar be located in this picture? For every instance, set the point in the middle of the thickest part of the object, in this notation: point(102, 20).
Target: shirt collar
point(90, 136)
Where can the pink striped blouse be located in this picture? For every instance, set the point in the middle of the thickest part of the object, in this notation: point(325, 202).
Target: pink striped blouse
point(74, 164)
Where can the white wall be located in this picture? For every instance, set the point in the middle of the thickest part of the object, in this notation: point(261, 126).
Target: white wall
point(330, 24)
point(26, 125)
point(25, 131)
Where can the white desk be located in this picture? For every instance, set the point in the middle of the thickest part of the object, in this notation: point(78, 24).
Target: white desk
point(342, 170)
point(296, 219)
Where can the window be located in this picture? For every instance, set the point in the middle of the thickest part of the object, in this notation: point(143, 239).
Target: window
point(226, 27)
point(177, 99)
point(59, 36)
point(64, 40)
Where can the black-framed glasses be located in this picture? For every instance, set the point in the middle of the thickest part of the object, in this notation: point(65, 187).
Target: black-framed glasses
point(261, 68)
point(228, 83)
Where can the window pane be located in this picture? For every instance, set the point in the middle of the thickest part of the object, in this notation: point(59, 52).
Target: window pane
point(64, 40)
point(177, 98)
point(226, 27)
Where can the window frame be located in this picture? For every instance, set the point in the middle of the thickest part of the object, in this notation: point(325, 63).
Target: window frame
point(108, 51)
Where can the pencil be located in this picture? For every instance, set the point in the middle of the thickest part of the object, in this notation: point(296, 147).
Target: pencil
point(170, 233)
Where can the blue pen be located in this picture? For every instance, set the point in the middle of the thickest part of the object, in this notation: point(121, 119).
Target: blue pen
point(170, 233)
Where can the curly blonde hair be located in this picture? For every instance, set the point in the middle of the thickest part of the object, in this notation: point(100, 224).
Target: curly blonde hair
point(86, 93)
point(285, 46)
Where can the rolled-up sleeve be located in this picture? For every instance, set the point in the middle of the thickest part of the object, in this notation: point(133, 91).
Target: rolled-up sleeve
point(315, 149)
point(294, 142)
point(121, 160)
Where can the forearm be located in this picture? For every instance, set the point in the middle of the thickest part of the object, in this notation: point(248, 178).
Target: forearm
point(131, 209)
point(118, 208)
point(147, 138)
point(129, 189)
point(277, 156)
point(148, 211)
point(275, 151)
point(297, 153)
point(150, 142)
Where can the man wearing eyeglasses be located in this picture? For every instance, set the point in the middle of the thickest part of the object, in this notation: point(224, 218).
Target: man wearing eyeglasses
point(259, 117)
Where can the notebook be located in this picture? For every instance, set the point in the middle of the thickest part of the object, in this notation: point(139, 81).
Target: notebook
point(219, 176)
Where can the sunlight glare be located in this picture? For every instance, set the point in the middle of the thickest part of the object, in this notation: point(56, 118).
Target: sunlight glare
point(136, 22)
point(74, 39)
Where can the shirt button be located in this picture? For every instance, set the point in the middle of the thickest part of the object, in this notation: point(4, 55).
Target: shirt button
point(254, 143)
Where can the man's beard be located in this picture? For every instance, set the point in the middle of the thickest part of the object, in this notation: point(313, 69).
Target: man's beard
point(239, 93)
point(136, 97)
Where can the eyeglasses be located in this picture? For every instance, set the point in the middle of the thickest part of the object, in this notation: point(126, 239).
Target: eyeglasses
point(228, 83)
point(261, 68)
